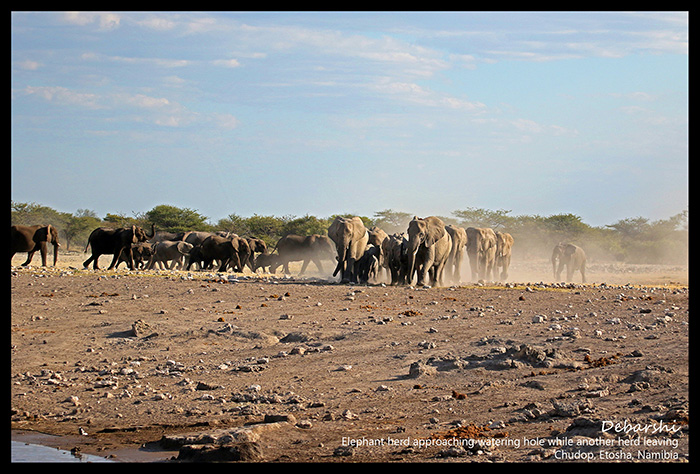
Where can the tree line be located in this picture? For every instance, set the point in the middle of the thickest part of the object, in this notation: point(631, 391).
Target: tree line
point(634, 240)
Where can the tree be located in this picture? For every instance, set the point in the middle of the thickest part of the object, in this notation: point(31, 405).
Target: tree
point(173, 219)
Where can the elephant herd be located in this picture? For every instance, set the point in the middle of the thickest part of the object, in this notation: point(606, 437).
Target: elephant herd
point(428, 252)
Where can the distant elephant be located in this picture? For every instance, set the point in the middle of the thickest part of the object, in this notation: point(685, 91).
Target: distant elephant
point(173, 251)
point(429, 246)
point(141, 254)
point(570, 256)
point(104, 240)
point(350, 237)
point(504, 247)
point(310, 248)
point(481, 248)
point(368, 265)
point(230, 252)
point(30, 238)
point(195, 237)
point(456, 257)
point(394, 259)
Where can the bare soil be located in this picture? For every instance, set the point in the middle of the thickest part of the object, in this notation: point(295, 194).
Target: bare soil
point(158, 365)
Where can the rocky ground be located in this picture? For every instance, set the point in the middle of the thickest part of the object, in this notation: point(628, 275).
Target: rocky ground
point(168, 365)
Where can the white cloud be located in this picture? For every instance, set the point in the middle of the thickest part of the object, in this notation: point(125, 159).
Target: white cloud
point(104, 20)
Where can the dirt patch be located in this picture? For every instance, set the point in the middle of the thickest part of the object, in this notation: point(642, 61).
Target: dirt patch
point(281, 369)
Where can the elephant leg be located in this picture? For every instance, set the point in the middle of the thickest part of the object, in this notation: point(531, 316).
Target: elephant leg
point(304, 266)
point(317, 262)
point(30, 254)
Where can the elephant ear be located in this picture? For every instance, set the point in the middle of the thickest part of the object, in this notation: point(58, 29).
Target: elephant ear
point(184, 247)
point(134, 237)
point(569, 249)
point(434, 231)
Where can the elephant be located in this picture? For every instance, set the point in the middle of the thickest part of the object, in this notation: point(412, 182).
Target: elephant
point(377, 237)
point(256, 245)
point(30, 238)
point(230, 252)
point(428, 248)
point(481, 248)
point(170, 250)
point(570, 256)
point(504, 247)
point(310, 248)
point(162, 235)
point(104, 240)
point(368, 265)
point(265, 260)
point(394, 258)
point(350, 237)
point(454, 261)
point(141, 253)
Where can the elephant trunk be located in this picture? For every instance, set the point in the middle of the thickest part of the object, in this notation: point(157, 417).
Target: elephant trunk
point(153, 231)
point(413, 244)
point(342, 250)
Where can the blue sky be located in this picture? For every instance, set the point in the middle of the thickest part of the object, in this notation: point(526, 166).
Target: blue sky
point(295, 113)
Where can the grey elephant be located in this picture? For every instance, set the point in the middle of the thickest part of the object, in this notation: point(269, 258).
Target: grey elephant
point(141, 253)
point(266, 260)
point(504, 247)
point(30, 238)
point(309, 248)
point(350, 237)
point(256, 246)
point(174, 251)
point(456, 257)
point(394, 259)
point(377, 237)
point(368, 266)
point(107, 241)
point(481, 248)
point(428, 248)
point(570, 256)
point(229, 252)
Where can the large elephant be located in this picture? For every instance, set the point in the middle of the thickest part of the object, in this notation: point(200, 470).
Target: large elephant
point(570, 256)
point(174, 251)
point(295, 248)
point(107, 241)
point(481, 248)
point(504, 246)
point(456, 257)
point(428, 248)
point(350, 237)
point(30, 238)
point(394, 258)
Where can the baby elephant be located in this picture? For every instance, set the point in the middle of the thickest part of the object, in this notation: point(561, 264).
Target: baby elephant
point(170, 250)
point(368, 265)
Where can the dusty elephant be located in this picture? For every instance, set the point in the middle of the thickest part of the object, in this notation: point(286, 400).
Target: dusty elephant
point(394, 258)
point(310, 248)
point(570, 256)
point(106, 241)
point(504, 247)
point(456, 257)
point(481, 248)
point(350, 237)
point(428, 248)
point(141, 253)
point(265, 261)
point(173, 251)
point(30, 238)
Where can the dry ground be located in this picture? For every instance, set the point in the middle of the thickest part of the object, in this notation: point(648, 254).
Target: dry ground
point(122, 364)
